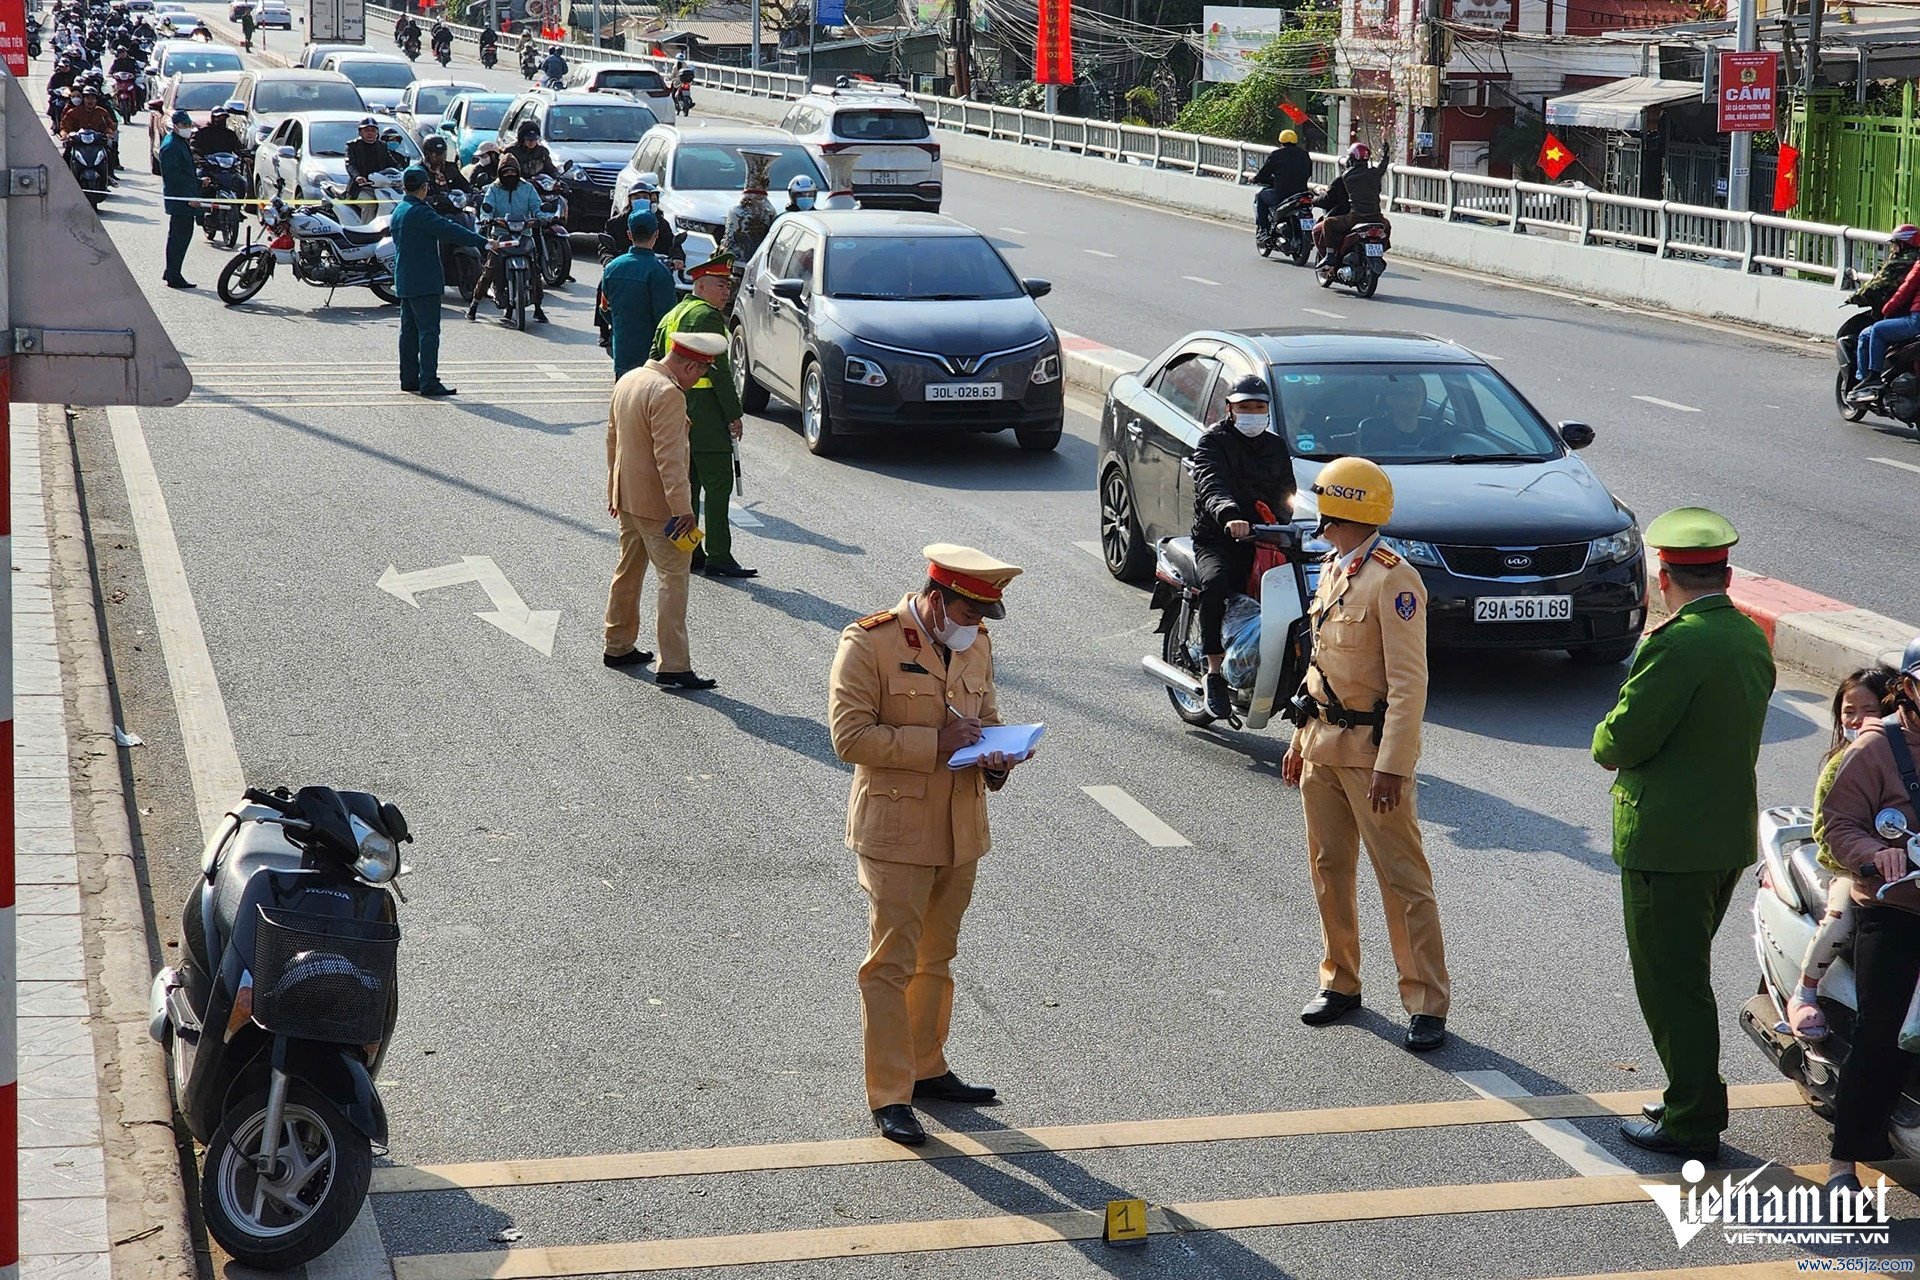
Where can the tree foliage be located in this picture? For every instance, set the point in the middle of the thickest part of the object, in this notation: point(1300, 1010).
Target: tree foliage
point(1289, 68)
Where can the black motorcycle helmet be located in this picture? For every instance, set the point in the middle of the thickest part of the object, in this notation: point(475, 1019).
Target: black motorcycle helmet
point(434, 147)
point(529, 131)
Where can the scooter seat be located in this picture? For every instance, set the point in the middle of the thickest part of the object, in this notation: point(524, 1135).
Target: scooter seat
point(1177, 555)
point(373, 233)
point(1810, 878)
point(257, 847)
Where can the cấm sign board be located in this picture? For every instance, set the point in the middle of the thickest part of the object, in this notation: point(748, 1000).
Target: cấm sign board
point(1748, 91)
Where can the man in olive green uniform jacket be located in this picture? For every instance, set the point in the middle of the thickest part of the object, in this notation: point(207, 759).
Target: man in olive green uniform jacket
point(1684, 738)
point(713, 414)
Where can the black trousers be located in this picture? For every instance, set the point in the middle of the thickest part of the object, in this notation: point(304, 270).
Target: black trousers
point(1886, 964)
point(1224, 566)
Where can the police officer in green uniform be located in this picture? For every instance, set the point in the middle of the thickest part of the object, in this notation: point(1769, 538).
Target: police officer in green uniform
point(1684, 739)
point(713, 414)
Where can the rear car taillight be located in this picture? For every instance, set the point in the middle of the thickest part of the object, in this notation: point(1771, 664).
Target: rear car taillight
point(931, 148)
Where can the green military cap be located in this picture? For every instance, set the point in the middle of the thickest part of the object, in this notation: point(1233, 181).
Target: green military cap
point(720, 263)
point(1692, 535)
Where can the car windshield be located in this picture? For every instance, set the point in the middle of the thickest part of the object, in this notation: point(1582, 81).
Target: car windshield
point(204, 96)
point(880, 126)
point(187, 61)
point(638, 80)
point(284, 97)
point(377, 75)
point(1408, 413)
point(709, 166)
point(917, 268)
point(330, 138)
point(612, 122)
point(485, 115)
point(432, 100)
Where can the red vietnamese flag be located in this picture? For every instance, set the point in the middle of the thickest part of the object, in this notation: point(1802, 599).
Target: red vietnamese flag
point(1786, 179)
point(1053, 54)
point(1293, 113)
point(1554, 157)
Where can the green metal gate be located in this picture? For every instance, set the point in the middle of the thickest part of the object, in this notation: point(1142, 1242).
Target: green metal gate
point(1857, 170)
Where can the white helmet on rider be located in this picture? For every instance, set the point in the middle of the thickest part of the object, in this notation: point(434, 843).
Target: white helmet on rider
point(802, 192)
point(648, 185)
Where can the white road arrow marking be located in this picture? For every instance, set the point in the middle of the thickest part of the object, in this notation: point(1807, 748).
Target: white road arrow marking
point(534, 628)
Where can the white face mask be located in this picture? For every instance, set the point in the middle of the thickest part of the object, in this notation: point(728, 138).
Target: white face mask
point(955, 637)
point(1252, 424)
point(1849, 732)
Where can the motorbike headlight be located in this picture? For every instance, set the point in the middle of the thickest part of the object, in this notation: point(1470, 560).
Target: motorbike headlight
point(1046, 370)
point(379, 857)
point(1615, 547)
point(1421, 553)
point(865, 373)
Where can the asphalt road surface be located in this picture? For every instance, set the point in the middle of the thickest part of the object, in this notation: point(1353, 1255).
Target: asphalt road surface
point(631, 925)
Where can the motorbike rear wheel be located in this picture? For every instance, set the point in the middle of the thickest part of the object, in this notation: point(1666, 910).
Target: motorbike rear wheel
point(383, 290)
point(1848, 410)
point(556, 264)
point(517, 295)
point(245, 276)
point(1264, 243)
point(321, 1181)
point(1365, 279)
point(1191, 708)
point(1302, 245)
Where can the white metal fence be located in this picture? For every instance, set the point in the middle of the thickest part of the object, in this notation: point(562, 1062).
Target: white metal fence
point(1748, 242)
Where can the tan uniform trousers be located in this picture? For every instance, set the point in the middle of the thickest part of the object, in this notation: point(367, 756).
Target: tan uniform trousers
point(644, 542)
point(906, 987)
point(1338, 820)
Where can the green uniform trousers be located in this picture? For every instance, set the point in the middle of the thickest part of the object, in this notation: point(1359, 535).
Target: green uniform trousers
point(712, 486)
point(1671, 917)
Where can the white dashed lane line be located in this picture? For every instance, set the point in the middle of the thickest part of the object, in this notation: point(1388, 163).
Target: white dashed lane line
point(1100, 253)
point(1139, 819)
point(740, 517)
point(1667, 404)
point(1331, 315)
point(1895, 462)
point(1013, 231)
point(1580, 1153)
point(1202, 280)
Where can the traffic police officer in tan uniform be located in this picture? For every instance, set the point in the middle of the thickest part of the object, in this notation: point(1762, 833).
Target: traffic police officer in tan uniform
point(1354, 760)
point(911, 686)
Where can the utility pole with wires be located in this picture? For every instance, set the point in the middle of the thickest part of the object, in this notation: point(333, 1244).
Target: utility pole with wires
point(962, 49)
point(1740, 145)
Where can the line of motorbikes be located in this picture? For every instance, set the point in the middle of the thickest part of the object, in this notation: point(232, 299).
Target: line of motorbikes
point(1358, 262)
point(83, 33)
point(1898, 396)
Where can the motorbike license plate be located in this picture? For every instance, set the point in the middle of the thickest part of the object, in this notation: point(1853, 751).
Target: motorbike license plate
point(1376, 251)
point(965, 391)
point(1522, 608)
point(1306, 222)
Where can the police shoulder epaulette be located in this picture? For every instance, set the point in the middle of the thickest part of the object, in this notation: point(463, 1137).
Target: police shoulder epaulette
point(1385, 557)
point(873, 620)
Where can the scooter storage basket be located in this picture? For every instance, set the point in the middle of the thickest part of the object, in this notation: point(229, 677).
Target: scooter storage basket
point(322, 977)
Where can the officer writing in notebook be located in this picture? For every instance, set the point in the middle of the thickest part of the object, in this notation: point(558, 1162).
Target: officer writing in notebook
point(911, 686)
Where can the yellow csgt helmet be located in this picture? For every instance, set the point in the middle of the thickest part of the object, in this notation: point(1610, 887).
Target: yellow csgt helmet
point(1288, 135)
point(1356, 490)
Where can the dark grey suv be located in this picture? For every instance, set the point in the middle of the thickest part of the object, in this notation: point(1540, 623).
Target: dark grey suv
point(1520, 544)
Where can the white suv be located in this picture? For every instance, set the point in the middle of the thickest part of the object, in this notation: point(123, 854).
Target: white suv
point(896, 160)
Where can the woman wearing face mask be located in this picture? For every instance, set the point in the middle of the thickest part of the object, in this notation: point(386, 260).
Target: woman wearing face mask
point(1861, 697)
point(1240, 463)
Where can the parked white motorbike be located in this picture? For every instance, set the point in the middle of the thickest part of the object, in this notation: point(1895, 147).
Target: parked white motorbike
point(313, 244)
point(351, 208)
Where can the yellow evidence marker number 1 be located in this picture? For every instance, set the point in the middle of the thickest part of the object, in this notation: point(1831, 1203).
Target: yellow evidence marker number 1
point(1126, 1222)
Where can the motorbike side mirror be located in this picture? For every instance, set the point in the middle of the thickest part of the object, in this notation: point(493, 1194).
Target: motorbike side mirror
point(791, 290)
point(1891, 824)
point(1036, 287)
point(235, 107)
point(288, 153)
point(1578, 435)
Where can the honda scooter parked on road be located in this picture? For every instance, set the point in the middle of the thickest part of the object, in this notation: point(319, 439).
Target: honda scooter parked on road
point(279, 1015)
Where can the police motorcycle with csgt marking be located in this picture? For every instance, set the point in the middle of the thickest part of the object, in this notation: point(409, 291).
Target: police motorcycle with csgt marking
point(1264, 668)
point(279, 1014)
point(1788, 906)
point(312, 243)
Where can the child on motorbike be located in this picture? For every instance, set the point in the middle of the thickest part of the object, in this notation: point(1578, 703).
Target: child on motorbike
point(1861, 697)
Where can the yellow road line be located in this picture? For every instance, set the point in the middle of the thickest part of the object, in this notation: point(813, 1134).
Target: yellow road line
point(890, 1238)
point(1079, 1137)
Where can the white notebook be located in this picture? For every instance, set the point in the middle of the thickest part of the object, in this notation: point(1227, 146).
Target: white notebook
point(1015, 741)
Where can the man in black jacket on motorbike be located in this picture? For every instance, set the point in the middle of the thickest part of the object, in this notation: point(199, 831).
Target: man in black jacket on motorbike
point(1353, 198)
point(1240, 464)
point(215, 136)
point(1286, 173)
point(367, 155)
point(442, 37)
point(489, 40)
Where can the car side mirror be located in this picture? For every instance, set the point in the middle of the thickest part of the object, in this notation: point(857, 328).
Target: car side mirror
point(288, 153)
point(1578, 435)
point(1036, 287)
point(791, 290)
point(236, 107)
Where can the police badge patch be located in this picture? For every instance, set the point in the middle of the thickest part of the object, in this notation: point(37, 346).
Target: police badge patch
point(1404, 604)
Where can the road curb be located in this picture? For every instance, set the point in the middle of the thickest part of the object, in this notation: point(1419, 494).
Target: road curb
point(1826, 638)
point(149, 1228)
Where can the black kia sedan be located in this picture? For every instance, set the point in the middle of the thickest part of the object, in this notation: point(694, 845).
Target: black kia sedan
point(1520, 544)
point(878, 323)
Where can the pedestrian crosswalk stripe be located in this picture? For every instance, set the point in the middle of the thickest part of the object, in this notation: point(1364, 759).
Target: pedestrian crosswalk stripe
point(622, 1167)
point(895, 1238)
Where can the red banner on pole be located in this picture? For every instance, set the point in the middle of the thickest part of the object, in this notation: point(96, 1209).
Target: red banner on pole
point(1748, 91)
point(1786, 179)
point(13, 36)
point(1053, 55)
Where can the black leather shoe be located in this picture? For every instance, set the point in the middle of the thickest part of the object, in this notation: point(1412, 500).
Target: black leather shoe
point(1654, 1111)
point(1328, 1006)
point(1647, 1134)
point(684, 680)
point(412, 391)
point(951, 1088)
point(897, 1123)
point(631, 658)
point(437, 391)
point(698, 564)
point(181, 284)
point(1219, 704)
point(539, 316)
point(1426, 1033)
point(728, 570)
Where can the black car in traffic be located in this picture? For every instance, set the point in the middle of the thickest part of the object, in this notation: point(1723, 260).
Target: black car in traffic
point(1520, 544)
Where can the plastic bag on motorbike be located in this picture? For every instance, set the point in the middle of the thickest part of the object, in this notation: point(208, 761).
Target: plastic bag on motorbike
point(1241, 631)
